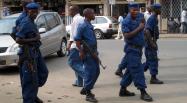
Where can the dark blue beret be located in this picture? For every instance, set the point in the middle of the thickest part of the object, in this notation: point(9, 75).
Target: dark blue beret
point(33, 5)
point(133, 5)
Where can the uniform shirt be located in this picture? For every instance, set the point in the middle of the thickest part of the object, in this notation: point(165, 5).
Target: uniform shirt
point(184, 16)
point(152, 26)
point(130, 25)
point(147, 15)
point(18, 21)
point(27, 30)
point(85, 32)
point(77, 19)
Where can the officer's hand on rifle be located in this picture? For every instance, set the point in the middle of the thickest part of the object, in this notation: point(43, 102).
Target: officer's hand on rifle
point(154, 46)
point(81, 54)
point(141, 26)
point(37, 38)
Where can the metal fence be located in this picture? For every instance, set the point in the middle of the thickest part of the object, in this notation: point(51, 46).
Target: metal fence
point(172, 8)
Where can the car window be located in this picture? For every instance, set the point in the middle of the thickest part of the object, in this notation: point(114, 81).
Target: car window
point(41, 22)
point(51, 21)
point(101, 20)
point(112, 19)
point(93, 21)
point(6, 25)
point(57, 19)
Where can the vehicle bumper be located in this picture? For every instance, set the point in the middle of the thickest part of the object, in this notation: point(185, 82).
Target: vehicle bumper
point(111, 32)
point(10, 59)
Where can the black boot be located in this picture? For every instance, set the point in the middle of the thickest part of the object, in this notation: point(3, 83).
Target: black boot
point(125, 93)
point(145, 96)
point(38, 100)
point(146, 68)
point(83, 91)
point(154, 80)
point(119, 73)
point(90, 97)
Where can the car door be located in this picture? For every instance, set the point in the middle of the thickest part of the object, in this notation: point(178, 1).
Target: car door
point(53, 32)
point(41, 23)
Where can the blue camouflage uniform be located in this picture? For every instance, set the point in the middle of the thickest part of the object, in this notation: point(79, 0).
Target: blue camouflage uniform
point(85, 32)
point(151, 54)
point(31, 80)
point(133, 50)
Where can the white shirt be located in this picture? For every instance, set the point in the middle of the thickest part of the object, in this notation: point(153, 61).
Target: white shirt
point(147, 15)
point(77, 19)
point(120, 20)
point(184, 16)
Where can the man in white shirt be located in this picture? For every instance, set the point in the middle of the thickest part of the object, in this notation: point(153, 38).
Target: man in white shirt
point(74, 60)
point(184, 20)
point(148, 13)
point(120, 20)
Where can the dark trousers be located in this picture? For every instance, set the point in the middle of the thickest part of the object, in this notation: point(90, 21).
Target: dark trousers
point(31, 81)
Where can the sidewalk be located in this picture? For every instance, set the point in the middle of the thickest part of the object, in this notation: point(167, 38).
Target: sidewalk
point(173, 35)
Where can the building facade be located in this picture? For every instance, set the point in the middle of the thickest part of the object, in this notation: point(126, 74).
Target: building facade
point(103, 7)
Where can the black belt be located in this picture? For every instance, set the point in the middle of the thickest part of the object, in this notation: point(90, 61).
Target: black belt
point(136, 46)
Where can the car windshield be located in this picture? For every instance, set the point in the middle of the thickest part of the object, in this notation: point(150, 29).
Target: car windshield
point(113, 19)
point(6, 25)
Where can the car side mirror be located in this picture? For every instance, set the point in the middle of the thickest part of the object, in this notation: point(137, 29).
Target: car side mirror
point(42, 30)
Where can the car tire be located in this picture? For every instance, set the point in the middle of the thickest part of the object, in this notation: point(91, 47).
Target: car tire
point(63, 46)
point(99, 34)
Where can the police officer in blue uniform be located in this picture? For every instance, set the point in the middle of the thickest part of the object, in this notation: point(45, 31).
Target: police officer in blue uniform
point(33, 68)
point(85, 33)
point(121, 67)
point(21, 17)
point(152, 35)
point(132, 28)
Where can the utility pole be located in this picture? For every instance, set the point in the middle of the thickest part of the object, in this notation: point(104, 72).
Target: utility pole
point(1, 8)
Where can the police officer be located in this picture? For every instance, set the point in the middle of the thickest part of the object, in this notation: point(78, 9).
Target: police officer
point(74, 60)
point(20, 18)
point(33, 68)
point(152, 34)
point(85, 33)
point(132, 28)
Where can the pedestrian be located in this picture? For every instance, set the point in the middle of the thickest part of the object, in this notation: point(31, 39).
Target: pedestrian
point(33, 69)
point(132, 28)
point(172, 25)
point(120, 20)
point(151, 47)
point(74, 60)
point(148, 13)
point(184, 21)
point(86, 33)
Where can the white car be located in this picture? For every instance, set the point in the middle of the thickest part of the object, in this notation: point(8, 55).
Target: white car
point(51, 29)
point(104, 27)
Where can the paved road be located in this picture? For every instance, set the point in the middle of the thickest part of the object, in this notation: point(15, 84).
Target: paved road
point(173, 70)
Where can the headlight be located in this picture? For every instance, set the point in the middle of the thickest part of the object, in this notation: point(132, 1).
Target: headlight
point(14, 48)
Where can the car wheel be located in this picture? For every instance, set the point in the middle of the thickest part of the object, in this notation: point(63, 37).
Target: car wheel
point(99, 34)
point(62, 51)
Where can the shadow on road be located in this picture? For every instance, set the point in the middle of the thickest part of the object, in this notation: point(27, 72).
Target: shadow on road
point(9, 71)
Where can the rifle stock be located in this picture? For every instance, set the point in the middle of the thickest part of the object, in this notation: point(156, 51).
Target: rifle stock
point(93, 54)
